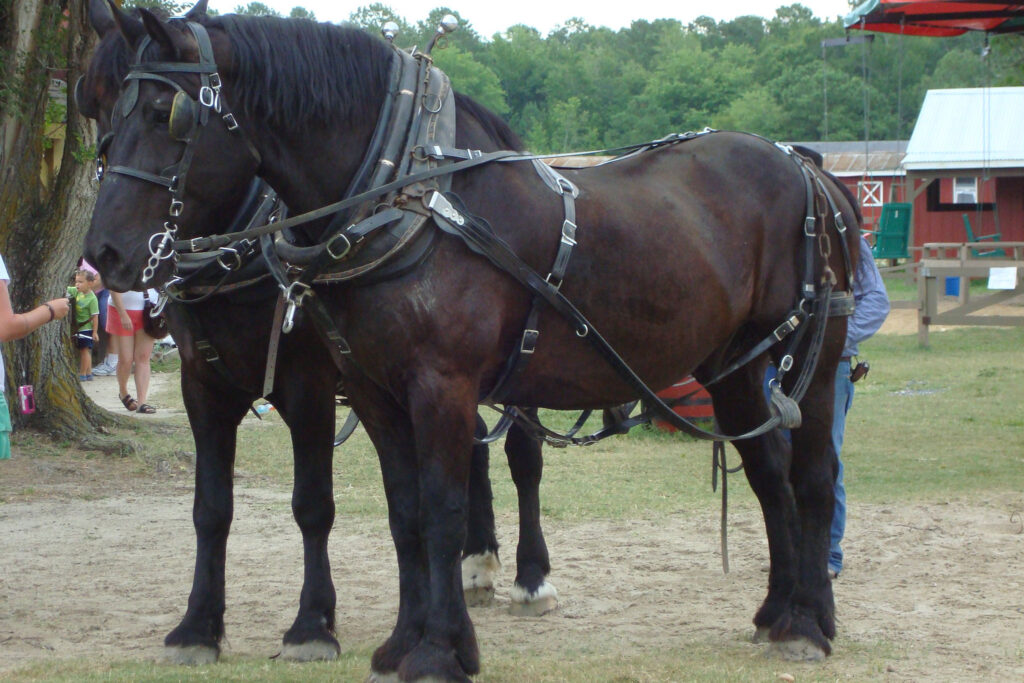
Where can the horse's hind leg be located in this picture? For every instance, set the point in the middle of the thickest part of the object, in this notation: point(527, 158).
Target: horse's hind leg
point(794, 487)
point(740, 406)
point(214, 414)
point(480, 561)
point(812, 476)
point(532, 594)
point(307, 406)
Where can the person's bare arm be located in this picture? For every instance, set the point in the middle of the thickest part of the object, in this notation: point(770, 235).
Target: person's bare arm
point(17, 325)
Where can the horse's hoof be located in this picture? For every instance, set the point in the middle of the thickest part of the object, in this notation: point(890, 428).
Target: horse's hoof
point(313, 651)
point(377, 677)
point(760, 635)
point(480, 596)
point(191, 655)
point(478, 573)
point(536, 604)
point(798, 650)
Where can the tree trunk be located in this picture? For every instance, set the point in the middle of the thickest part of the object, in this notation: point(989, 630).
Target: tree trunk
point(46, 198)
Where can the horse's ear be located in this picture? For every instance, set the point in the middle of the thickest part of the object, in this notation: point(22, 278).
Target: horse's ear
point(157, 30)
point(197, 12)
point(100, 17)
point(130, 27)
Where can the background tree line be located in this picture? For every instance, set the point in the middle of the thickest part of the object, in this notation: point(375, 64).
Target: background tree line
point(583, 86)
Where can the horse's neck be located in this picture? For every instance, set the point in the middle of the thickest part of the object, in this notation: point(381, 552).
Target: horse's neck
point(314, 169)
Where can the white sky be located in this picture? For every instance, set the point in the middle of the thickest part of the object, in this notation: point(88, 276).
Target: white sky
point(493, 16)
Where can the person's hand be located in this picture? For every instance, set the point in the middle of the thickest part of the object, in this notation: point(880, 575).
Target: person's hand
point(95, 335)
point(60, 307)
point(126, 320)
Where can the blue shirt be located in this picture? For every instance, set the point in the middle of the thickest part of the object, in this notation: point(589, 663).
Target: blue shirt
point(872, 302)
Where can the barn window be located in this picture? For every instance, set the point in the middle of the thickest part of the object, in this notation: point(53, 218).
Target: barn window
point(965, 190)
point(870, 192)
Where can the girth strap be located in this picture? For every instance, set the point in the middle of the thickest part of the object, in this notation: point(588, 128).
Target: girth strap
point(523, 352)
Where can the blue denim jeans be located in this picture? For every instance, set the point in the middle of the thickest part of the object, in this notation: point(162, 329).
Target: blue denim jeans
point(844, 399)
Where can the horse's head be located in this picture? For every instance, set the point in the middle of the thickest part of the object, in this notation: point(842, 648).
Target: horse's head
point(172, 160)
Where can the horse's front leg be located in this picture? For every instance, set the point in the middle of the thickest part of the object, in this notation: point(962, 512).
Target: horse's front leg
point(532, 594)
point(390, 430)
point(306, 402)
point(443, 414)
point(214, 414)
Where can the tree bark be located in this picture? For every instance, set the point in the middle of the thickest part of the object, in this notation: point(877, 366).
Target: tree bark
point(43, 221)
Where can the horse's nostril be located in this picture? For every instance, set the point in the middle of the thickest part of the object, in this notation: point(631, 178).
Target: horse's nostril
point(106, 258)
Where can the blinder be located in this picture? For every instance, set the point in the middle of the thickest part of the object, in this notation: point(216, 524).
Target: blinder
point(184, 117)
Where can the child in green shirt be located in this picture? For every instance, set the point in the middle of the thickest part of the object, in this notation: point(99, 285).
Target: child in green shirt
point(84, 326)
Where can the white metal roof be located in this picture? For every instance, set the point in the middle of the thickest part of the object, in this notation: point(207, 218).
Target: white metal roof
point(968, 128)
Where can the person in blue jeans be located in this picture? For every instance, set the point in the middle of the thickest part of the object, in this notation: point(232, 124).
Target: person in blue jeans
point(872, 307)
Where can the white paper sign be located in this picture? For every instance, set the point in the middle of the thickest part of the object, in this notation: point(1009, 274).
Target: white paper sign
point(1002, 278)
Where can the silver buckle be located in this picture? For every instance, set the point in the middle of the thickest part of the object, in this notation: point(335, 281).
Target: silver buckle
point(344, 253)
point(569, 233)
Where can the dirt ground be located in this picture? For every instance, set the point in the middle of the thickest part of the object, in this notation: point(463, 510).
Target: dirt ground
point(108, 576)
point(97, 564)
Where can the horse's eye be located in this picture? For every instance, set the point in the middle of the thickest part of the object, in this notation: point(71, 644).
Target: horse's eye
point(160, 116)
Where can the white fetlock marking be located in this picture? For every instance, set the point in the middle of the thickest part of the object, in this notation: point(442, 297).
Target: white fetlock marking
point(315, 651)
point(520, 595)
point(191, 655)
point(478, 570)
point(376, 677)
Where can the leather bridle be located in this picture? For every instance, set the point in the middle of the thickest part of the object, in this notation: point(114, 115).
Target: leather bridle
point(187, 119)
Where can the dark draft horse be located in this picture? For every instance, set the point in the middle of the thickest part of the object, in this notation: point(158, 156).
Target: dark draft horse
point(687, 256)
point(223, 339)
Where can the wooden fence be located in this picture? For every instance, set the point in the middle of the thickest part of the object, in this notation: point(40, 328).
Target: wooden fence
point(963, 261)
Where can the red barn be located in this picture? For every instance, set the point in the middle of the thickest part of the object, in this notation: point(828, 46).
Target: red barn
point(966, 156)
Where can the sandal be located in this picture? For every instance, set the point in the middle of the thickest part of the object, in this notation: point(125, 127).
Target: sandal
point(129, 402)
point(146, 409)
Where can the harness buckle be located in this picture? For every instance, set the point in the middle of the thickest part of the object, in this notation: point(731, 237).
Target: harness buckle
point(234, 253)
point(809, 224)
point(564, 186)
point(786, 364)
point(783, 330)
point(569, 233)
point(229, 120)
point(330, 244)
point(207, 96)
point(176, 208)
point(529, 341)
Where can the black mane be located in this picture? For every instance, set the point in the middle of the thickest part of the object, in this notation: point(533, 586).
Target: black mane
point(293, 72)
